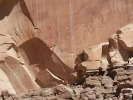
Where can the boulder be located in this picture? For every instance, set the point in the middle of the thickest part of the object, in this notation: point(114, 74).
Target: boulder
point(105, 57)
point(117, 59)
point(130, 61)
point(93, 55)
point(63, 92)
point(45, 78)
point(125, 36)
point(107, 82)
point(92, 83)
point(120, 46)
point(89, 65)
point(94, 52)
point(127, 93)
point(118, 51)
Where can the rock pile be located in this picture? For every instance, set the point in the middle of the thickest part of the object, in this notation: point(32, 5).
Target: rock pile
point(113, 84)
point(56, 93)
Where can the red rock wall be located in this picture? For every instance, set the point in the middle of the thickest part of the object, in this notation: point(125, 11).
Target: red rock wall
point(44, 41)
point(73, 25)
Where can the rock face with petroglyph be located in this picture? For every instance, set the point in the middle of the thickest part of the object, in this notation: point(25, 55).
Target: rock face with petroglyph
point(39, 40)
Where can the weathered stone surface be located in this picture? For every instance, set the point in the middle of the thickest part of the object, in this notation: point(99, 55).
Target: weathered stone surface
point(120, 46)
point(127, 93)
point(87, 65)
point(94, 53)
point(117, 59)
point(90, 65)
point(105, 57)
point(92, 82)
point(94, 57)
point(130, 61)
point(118, 54)
point(125, 36)
point(46, 79)
point(44, 41)
point(107, 81)
point(78, 24)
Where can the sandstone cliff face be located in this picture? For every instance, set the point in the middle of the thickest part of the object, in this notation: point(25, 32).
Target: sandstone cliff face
point(73, 25)
point(39, 39)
